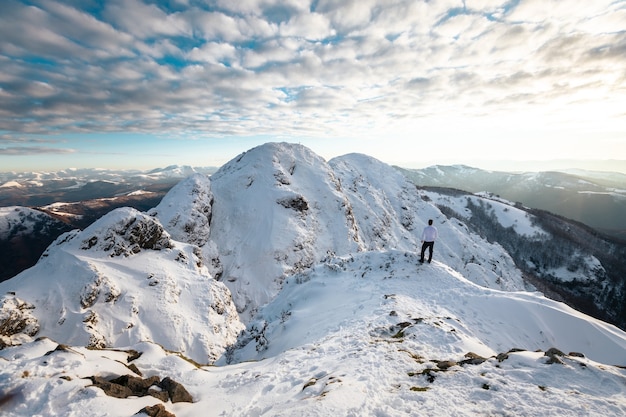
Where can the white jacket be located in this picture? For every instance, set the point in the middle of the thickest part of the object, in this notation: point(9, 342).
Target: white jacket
point(429, 234)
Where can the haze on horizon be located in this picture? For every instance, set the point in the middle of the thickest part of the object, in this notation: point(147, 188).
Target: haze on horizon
point(143, 83)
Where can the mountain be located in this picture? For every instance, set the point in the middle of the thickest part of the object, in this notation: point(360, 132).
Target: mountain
point(280, 209)
point(75, 185)
point(72, 199)
point(120, 281)
point(365, 335)
point(24, 235)
point(297, 281)
point(597, 199)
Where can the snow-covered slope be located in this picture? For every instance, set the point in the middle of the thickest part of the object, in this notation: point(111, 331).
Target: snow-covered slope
point(597, 199)
point(24, 235)
point(185, 211)
point(391, 214)
point(23, 221)
point(341, 318)
point(368, 335)
point(279, 209)
point(121, 281)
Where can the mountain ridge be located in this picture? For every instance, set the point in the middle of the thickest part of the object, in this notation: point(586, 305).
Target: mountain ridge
point(595, 198)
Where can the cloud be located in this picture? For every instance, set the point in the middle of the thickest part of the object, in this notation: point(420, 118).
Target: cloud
point(329, 67)
point(145, 21)
point(33, 150)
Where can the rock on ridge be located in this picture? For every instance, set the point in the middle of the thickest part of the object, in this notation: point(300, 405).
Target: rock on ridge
point(121, 232)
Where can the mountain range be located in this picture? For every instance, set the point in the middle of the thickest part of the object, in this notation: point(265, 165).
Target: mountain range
point(36, 207)
point(597, 199)
point(284, 284)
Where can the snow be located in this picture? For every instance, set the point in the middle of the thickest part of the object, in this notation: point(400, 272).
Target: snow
point(617, 194)
point(19, 220)
point(11, 184)
point(139, 192)
point(506, 213)
point(378, 354)
point(285, 285)
point(185, 211)
point(123, 280)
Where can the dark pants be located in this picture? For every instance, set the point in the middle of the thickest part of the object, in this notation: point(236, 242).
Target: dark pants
point(428, 245)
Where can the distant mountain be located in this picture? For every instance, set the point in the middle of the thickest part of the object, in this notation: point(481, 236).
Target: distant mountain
point(597, 199)
point(71, 199)
point(298, 280)
point(74, 185)
point(24, 235)
point(566, 260)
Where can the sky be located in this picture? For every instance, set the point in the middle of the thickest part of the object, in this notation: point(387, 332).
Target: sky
point(142, 84)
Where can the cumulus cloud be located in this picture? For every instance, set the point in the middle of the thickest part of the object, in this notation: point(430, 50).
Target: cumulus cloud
point(331, 67)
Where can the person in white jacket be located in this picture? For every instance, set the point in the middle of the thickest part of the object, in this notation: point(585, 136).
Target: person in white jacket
point(429, 235)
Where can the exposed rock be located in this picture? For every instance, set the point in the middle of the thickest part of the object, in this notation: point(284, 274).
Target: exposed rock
point(110, 388)
point(16, 318)
point(130, 385)
point(472, 359)
point(158, 393)
point(157, 410)
point(554, 356)
point(445, 365)
point(138, 386)
point(176, 391)
point(133, 232)
point(297, 203)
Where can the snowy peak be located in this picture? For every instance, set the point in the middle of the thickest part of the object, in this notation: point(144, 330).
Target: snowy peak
point(185, 210)
point(277, 210)
point(121, 281)
point(384, 202)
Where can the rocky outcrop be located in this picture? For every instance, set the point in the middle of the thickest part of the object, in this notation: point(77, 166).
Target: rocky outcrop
point(130, 234)
point(157, 410)
point(165, 389)
point(15, 319)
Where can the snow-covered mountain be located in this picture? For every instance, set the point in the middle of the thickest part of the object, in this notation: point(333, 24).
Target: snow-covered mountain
point(72, 198)
point(24, 235)
point(74, 185)
point(279, 209)
point(597, 199)
point(121, 281)
point(318, 261)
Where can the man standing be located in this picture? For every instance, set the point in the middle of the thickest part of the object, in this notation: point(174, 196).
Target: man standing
point(429, 235)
